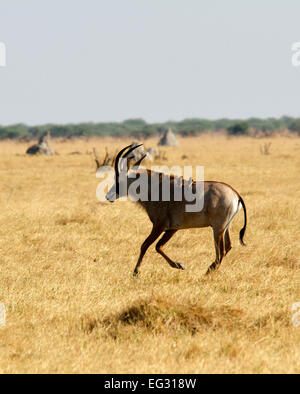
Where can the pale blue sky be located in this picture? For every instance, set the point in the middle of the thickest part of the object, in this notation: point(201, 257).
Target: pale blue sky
point(109, 60)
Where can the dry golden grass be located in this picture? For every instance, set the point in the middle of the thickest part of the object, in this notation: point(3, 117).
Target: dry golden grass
point(66, 263)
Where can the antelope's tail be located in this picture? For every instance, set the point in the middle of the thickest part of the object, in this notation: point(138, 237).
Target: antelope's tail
point(243, 230)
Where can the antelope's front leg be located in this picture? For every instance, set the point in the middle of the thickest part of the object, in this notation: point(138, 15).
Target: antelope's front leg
point(149, 241)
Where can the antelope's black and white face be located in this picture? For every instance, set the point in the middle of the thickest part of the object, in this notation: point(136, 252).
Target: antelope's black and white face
point(112, 196)
point(120, 187)
point(117, 191)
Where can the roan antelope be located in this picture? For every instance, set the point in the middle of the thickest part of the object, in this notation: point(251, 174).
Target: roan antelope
point(221, 204)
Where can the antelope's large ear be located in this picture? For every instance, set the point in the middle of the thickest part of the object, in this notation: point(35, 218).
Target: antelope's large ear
point(139, 162)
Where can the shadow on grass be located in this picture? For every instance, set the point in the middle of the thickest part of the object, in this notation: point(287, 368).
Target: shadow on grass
point(158, 316)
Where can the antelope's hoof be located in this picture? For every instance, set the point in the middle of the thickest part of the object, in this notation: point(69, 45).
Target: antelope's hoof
point(180, 266)
point(211, 269)
point(136, 274)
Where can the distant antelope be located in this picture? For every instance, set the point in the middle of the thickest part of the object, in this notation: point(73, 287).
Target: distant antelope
point(221, 204)
point(106, 162)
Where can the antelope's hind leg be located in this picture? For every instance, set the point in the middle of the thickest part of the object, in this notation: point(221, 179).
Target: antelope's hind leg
point(220, 251)
point(228, 244)
point(166, 237)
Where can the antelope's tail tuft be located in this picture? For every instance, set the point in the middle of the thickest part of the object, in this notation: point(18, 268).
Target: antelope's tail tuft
point(243, 230)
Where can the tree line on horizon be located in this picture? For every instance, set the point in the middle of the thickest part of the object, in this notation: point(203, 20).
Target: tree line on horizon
point(139, 128)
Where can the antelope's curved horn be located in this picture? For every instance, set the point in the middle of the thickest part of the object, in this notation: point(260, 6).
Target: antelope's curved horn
point(119, 155)
point(137, 164)
point(132, 149)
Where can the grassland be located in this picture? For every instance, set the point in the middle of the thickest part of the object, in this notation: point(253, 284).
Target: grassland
point(66, 263)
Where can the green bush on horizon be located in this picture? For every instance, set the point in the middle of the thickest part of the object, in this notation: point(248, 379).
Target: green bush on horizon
point(139, 128)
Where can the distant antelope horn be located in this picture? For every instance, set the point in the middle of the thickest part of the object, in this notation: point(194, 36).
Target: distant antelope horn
point(106, 161)
point(96, 159)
